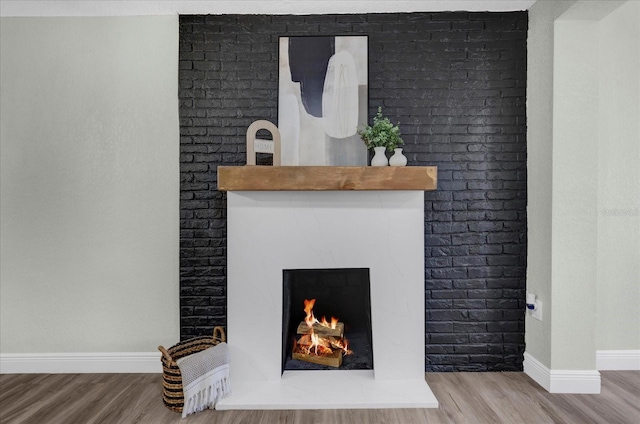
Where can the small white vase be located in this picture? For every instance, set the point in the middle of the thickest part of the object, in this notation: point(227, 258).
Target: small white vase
point(398, 159)
point(379, 158)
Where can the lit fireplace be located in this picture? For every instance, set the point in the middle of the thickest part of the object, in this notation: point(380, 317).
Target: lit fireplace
point(339, 337)
point(360, 254)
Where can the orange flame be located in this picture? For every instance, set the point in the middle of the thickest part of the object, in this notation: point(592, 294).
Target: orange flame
point(345, 347)
point(314, 342)
point(308, 309)
point(332, 325)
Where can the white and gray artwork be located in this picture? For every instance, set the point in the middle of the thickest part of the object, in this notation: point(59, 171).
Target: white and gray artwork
point(323, 100)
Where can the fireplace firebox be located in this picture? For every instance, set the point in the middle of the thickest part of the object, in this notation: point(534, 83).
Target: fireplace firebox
point(343, 294)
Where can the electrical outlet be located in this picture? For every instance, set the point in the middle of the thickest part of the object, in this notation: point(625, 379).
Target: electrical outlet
point(537, 313)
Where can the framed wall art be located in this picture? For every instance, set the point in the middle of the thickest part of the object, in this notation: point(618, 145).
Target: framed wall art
point(323, 99)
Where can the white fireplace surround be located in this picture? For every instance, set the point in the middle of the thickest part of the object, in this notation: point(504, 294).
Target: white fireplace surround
point(269, 231)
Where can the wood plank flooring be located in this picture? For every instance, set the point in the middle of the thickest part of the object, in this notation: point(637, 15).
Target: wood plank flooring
point(509, 398)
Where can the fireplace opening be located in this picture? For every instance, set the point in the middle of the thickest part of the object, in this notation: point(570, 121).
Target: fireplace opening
point(311, 294)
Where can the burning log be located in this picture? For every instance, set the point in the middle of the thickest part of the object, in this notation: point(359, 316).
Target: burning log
point(317, 328)
point(334, 359)
point(316, 350)
point(321, 342)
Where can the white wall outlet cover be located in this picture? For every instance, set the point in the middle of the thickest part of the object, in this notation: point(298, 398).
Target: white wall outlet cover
point(537, 313)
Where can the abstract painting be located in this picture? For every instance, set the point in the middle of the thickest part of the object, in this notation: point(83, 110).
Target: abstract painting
point(323, 100)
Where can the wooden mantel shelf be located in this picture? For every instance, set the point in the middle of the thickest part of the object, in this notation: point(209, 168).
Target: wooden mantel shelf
point(290, 178)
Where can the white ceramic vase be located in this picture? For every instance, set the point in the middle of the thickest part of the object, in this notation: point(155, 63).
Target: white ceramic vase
point(379, 157)
point(398, 159)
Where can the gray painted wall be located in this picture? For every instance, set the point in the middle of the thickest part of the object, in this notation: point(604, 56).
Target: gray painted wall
point(618, 275)
point(86, 124)
point(539, 161)
point(583, 180)
point(89, 184)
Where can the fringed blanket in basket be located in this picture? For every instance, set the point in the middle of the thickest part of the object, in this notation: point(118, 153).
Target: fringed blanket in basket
point(205, 378)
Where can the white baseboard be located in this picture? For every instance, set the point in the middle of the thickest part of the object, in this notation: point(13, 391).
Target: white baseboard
point(80, 363)
point(562, 381)
point(618, 360)
point(538, 372)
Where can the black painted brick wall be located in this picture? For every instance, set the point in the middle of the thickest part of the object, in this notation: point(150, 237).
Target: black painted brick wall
point(456, 82)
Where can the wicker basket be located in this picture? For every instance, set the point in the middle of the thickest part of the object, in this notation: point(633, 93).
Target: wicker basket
point(172, 394)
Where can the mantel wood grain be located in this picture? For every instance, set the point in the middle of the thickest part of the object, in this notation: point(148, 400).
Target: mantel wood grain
point(294, 178)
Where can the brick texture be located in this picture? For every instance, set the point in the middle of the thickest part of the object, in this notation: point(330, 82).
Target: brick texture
point(456, 82)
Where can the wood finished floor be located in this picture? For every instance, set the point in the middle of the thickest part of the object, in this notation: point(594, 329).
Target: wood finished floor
point(510, 398)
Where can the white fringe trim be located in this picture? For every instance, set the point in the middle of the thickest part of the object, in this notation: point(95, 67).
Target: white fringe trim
point(206, 391)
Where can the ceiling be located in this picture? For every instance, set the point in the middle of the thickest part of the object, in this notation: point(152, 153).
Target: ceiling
point(192, 7)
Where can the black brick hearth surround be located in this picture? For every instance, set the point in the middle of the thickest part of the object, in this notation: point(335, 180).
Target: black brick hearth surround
point(456, 82)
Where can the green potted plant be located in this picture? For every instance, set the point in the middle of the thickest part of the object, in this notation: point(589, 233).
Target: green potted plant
point(382, 135)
